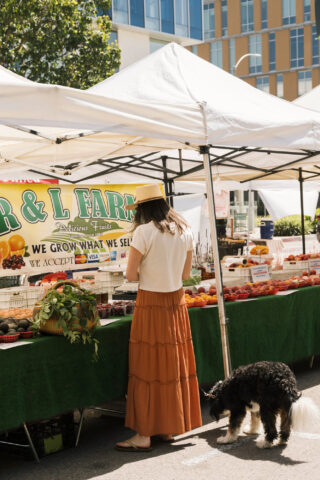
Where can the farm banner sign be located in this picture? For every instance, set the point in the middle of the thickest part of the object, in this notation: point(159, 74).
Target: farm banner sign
point(53, 228)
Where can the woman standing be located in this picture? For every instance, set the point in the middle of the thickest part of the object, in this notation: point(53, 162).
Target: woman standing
point(163, 396)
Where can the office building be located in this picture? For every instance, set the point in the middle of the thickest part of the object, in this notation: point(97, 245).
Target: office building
point(143, 26)
point(279, 35)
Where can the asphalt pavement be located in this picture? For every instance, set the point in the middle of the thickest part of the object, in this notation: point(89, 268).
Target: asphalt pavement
point(194, 455)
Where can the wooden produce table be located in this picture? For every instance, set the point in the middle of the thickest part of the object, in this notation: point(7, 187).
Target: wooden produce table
point(51, 376)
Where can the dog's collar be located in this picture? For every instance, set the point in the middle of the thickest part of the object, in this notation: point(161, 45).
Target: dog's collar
point(210, 395)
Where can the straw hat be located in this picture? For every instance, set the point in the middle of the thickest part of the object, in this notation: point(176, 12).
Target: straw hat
point(146, 193)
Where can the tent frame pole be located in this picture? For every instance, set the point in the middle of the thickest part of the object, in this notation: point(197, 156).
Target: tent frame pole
point(204, 151)
point(302, 212)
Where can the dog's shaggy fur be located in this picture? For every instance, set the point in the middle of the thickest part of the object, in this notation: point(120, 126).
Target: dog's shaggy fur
point(266, 389)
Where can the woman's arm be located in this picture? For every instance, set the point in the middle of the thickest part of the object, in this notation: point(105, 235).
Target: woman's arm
point(133, 264)
point(187, 266)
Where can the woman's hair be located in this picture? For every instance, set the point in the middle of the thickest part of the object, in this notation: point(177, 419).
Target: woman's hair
point(161, 214)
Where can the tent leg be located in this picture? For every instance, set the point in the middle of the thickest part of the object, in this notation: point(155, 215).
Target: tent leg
point(302, 212)
point(217, 267)
point(171, 192)
point(167, 182)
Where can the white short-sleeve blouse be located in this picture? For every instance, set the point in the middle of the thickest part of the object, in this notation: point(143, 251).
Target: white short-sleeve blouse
point(164, 256)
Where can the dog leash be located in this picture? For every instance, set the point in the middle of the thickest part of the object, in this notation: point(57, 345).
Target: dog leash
point(210, 395)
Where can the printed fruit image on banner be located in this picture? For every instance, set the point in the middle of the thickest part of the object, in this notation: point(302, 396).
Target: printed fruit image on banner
point(65, 227)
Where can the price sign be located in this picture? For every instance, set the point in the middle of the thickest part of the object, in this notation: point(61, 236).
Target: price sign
point(314, 264)
point(260, 273)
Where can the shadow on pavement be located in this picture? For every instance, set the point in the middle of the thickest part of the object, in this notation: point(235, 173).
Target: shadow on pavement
point(95, 455)
point(245, 448)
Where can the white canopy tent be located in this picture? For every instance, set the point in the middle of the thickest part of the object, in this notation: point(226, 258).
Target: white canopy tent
point(171, 99)
point(168, 100)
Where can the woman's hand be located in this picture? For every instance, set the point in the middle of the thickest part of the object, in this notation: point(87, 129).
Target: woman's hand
point(187, 266)
point(133, 265)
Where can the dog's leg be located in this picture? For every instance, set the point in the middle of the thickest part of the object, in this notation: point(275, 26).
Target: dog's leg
point(235, 421)
point(268, 419)
point(254, 426)
point(285, 427)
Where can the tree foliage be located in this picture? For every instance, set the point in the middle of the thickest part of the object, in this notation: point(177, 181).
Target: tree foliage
point(58, 41)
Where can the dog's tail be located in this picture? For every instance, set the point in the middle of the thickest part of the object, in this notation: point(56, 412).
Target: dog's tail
point(305, 415)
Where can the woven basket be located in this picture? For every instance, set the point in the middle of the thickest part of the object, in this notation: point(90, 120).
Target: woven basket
point(51, 324)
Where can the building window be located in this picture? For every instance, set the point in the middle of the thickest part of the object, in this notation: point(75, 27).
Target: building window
point(255, 62)
point(152, 14)
point(247, 16)
point(262, 83)
point(280, 85)
point(315, 46)
point(156, 44)
point(304, 82)
point(167, 16)
point(194, 49)
point(137, 13)
point(288, 12)
point(120, 12)
point(195, 15)
point(272, 51)
point(113, 36)
point(296, 48)
point(264, 14)
point(208, 20)
point(307, 10)
point(181, 17)
point(232, 54)
point(224, 18)
point(216, 53)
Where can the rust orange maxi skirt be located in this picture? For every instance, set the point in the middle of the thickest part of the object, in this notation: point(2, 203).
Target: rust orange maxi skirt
point(163, 394)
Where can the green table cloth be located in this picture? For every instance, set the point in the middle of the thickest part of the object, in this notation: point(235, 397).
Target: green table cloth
point(50, 376)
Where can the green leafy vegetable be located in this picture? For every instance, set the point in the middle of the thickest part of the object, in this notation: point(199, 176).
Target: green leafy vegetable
point(72, 307)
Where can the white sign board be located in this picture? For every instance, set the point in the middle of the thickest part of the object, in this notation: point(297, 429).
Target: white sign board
point(314, 264)
point(260, 273)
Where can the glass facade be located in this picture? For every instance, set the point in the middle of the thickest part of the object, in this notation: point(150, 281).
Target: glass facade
point(167, 16)
point(232, 55)
point(120, 11)
point(288, 12)
point(181, 17)
point(264, 14)
point(113, 36)
point(208, 20)
point(247, 16)
point(152, 14)
point(304, 82)
point(137, 13)
point(307, 10)
point(155, 44)
point(195, 16)
point(296, 48)
point(216, 53)
point(272, 51)
point(255, 62)
point(279, 85)
point(315, 46)
point(178, 17)
point(224, 18)
point(194, 49)
point(262, 83)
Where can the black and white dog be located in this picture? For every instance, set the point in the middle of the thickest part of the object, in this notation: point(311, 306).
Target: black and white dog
point(267, 389)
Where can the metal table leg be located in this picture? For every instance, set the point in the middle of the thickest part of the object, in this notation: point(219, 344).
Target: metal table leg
point(101, 409)
point(311, 361)
point(34, 451)
point(82, 410)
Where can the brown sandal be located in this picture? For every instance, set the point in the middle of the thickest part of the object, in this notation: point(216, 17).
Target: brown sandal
point(132, 447)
